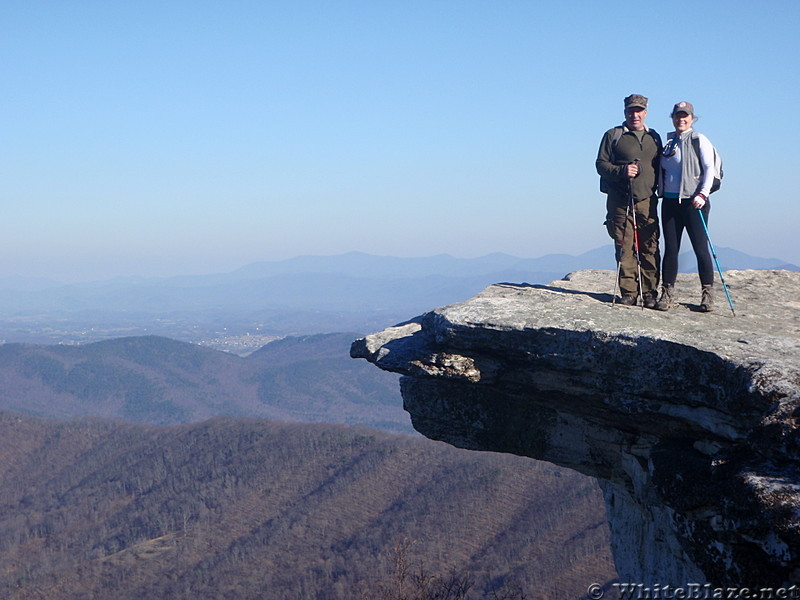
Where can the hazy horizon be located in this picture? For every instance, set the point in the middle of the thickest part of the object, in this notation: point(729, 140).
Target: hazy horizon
point(686, 264)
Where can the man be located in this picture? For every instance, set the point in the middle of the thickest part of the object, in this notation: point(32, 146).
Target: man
point(628, 162)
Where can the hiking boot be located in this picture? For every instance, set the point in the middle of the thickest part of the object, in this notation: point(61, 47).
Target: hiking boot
point(649, 299)
point(629, 299)
point(665, 302)
point(707, 300)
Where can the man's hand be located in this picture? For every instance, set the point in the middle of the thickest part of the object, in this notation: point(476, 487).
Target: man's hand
point(632, 170)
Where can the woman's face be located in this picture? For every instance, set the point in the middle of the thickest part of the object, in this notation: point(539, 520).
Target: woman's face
point(682, 121)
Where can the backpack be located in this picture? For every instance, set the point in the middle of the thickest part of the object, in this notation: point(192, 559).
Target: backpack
point(718, 173)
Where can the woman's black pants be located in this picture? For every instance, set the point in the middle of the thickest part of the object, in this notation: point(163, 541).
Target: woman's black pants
point(675, 217)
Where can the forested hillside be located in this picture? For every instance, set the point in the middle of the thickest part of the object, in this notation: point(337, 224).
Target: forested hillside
point(244, 508)
point(162, 381)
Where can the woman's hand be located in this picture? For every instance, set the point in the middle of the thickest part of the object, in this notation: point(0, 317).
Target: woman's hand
point(699, 201)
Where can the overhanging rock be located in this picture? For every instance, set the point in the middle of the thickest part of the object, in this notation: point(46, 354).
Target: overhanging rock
point(688, 420)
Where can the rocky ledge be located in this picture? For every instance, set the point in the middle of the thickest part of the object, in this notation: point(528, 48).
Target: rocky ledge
point(688, 420)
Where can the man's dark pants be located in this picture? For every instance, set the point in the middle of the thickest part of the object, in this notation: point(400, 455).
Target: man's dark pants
point(621, 230)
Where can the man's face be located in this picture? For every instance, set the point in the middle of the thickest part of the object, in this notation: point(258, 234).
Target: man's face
point(634, 117)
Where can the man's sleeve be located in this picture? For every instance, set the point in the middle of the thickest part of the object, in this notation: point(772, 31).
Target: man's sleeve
point(605, 160)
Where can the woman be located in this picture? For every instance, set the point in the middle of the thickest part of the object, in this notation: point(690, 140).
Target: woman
point(687, 173)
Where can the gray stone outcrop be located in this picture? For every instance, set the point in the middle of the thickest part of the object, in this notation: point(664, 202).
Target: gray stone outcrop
point(688, 420)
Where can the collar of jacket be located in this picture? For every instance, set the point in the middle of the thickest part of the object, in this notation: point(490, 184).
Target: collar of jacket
point(673, 134)
point(626, 130)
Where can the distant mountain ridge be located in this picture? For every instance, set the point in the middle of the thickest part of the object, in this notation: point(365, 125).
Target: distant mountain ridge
point(363, 265)
point(359, 264)
point(303, 295)
point(162, 381)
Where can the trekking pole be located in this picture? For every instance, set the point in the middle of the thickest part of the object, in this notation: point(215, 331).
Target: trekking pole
point(636, 253)
point(619, 256)
point(635, 237)
point(714, 254)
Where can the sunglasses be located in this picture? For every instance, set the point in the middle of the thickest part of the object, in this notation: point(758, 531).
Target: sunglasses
point(671, 148)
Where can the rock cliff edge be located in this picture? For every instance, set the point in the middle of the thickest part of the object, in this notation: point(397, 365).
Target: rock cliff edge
point(688, 420)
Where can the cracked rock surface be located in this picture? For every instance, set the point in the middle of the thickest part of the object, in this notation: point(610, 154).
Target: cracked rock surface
point(689, 420)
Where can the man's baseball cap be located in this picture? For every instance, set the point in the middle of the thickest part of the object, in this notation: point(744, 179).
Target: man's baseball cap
point(683, 107)
point(636, 100)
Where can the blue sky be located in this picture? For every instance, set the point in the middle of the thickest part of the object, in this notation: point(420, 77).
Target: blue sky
point(158, 138)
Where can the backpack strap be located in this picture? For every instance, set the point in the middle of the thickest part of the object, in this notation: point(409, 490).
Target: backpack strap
point(615, 137)
point(715, 161)
point(654, 134)
point(696, 143)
